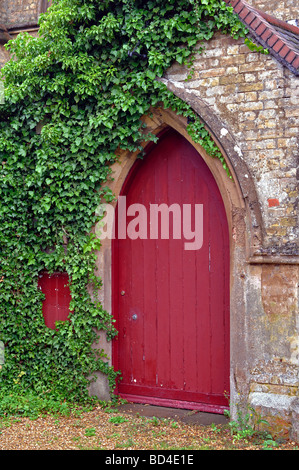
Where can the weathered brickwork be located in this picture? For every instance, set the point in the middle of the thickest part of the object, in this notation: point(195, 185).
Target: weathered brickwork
point(256, 102)
point(256, 99)
point(3, 13)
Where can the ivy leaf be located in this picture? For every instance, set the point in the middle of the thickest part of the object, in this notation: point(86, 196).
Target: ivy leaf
point(150, 74)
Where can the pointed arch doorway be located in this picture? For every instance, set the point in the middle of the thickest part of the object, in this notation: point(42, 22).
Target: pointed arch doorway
point(170, 280)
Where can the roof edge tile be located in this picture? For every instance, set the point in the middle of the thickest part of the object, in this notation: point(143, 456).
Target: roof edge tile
point(267, 31)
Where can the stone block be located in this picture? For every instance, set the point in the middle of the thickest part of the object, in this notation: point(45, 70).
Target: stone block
point(276, 409)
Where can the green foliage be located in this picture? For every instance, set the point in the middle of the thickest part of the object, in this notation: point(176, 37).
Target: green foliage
point(30, 404)
point(74, 97)
point(253, 47)
point(117, 419)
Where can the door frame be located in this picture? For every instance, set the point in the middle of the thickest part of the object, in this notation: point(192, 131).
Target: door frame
point(168, 397)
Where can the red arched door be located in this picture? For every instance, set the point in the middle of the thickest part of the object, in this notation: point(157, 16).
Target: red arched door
point(171, 281)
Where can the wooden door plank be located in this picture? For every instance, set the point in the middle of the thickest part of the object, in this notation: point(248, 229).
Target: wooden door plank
point(161, 280)
point(176, 295)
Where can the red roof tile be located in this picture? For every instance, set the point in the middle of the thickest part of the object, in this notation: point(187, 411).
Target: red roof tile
point(280, 38)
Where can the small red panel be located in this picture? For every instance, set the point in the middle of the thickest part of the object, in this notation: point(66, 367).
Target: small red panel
point(273, 202)
point(56, 306)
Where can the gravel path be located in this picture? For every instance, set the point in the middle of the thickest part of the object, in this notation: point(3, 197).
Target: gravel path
point(102, 430)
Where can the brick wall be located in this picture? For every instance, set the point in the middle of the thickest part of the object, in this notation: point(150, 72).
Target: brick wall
point(284, 9)
point(18, 11)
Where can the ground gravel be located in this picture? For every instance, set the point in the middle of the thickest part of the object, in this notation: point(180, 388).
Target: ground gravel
point(100, 429)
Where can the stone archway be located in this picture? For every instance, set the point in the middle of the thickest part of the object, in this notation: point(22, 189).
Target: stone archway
point(245, 231)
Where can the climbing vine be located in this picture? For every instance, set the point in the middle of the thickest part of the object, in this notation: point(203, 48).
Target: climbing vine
point(74, 98)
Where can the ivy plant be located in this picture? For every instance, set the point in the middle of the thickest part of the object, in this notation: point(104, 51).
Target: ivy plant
point(74, 98)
